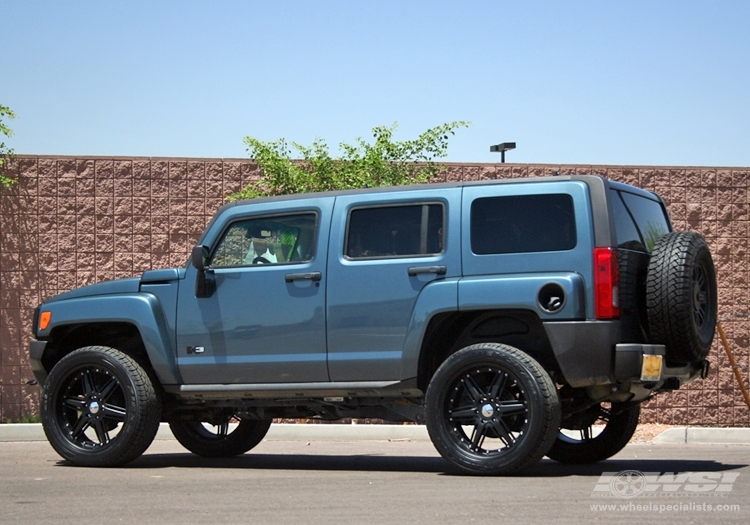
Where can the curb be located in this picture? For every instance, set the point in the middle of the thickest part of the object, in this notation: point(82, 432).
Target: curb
point(22, 432)
point(728, 436)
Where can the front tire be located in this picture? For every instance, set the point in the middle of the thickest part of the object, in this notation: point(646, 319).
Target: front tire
point(492, 409)
point(100, 408)
point(218, 439)
point(619, 422)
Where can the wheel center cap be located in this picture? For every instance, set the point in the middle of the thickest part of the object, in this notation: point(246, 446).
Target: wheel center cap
point(94, 407)
point(488, 410)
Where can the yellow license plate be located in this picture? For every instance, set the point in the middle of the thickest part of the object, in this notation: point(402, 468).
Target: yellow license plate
point(651, 369)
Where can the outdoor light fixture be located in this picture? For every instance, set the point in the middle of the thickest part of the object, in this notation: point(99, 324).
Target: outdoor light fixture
point(502, 148)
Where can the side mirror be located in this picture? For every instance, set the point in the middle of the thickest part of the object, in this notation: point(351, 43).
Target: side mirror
point(199, 256)
point(204, 282)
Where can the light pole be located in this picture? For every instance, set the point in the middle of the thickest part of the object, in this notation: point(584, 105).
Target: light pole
point(502, 148)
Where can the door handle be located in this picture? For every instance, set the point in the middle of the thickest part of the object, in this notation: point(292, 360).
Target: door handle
point(309, 276)
point(416, 270)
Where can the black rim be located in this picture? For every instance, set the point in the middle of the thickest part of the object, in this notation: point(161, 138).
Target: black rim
point(486, 410)
point(701, 295)
point(587, 432)
point(91, 407)
point(211, 431)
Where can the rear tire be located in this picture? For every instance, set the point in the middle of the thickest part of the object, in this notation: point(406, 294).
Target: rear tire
point(620, 424)
point(492, 409)
point(212, 440)
point(681, 297)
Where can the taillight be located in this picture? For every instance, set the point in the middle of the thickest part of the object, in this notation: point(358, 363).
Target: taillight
point(606, 283)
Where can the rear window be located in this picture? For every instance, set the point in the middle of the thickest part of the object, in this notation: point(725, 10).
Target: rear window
point(639, 221)
point(522, 224)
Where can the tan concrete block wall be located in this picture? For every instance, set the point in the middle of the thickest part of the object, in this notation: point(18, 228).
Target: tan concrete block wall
point(75, 221)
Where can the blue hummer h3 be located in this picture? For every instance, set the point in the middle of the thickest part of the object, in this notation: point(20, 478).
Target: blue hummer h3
point(516, 319)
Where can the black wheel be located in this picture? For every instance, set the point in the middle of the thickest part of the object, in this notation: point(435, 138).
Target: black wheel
point(99, 408)
point(491, 409)
point(261, 260)
point(598, 434)
point(220, 439)
point(682, 297)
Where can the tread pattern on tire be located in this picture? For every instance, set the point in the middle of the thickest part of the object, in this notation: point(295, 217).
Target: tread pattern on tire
point(546, 420)
point(669, 297)
point(131, 442)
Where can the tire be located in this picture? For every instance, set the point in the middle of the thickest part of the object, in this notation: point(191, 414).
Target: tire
point(220, 441)
point(681, 297)
point(492, 409)
point(99, 408)
point(620, 424)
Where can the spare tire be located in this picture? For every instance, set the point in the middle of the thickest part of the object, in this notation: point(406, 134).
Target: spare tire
point(681, 297)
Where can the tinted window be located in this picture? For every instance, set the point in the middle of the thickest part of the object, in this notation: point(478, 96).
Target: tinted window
point(521, 224)
point(272, 240)
point(638, 220)
point(627, 233)
point(395, 231)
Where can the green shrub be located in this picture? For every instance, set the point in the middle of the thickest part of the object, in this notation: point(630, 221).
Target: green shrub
point(384, 162)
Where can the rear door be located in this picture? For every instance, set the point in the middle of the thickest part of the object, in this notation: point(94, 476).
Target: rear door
point(384, 249)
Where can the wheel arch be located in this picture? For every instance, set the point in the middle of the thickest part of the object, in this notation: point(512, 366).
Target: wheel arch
point(132, 323)
point(122, 336)
point(449, 332)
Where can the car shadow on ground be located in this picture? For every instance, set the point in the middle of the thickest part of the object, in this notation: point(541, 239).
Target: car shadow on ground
point(424, 464)
point(549, 468)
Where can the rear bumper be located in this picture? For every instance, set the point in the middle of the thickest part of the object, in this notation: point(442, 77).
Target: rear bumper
point(590, 353)
point(629, 365)
point(584, 350)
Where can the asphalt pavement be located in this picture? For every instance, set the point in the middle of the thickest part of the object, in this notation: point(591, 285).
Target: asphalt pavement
point(334, 432)
point(307, 478)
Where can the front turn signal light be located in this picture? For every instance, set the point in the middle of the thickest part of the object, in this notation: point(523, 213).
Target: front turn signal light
point(44, 320)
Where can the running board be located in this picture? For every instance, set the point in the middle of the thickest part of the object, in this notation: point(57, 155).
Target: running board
point(406, 388)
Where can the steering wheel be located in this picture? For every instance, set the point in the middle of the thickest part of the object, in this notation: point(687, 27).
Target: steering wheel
point(261, 260)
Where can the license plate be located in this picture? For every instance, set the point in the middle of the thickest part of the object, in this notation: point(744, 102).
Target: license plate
point(651, 369)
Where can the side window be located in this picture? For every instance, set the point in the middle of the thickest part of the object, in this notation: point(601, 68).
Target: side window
point(627, 232)
point(395, 231)
point(649, 218)
point(268, 240)
point(639, 221)
point(523, 224)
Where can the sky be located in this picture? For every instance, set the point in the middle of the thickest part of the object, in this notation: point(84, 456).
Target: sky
point(636, 82)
